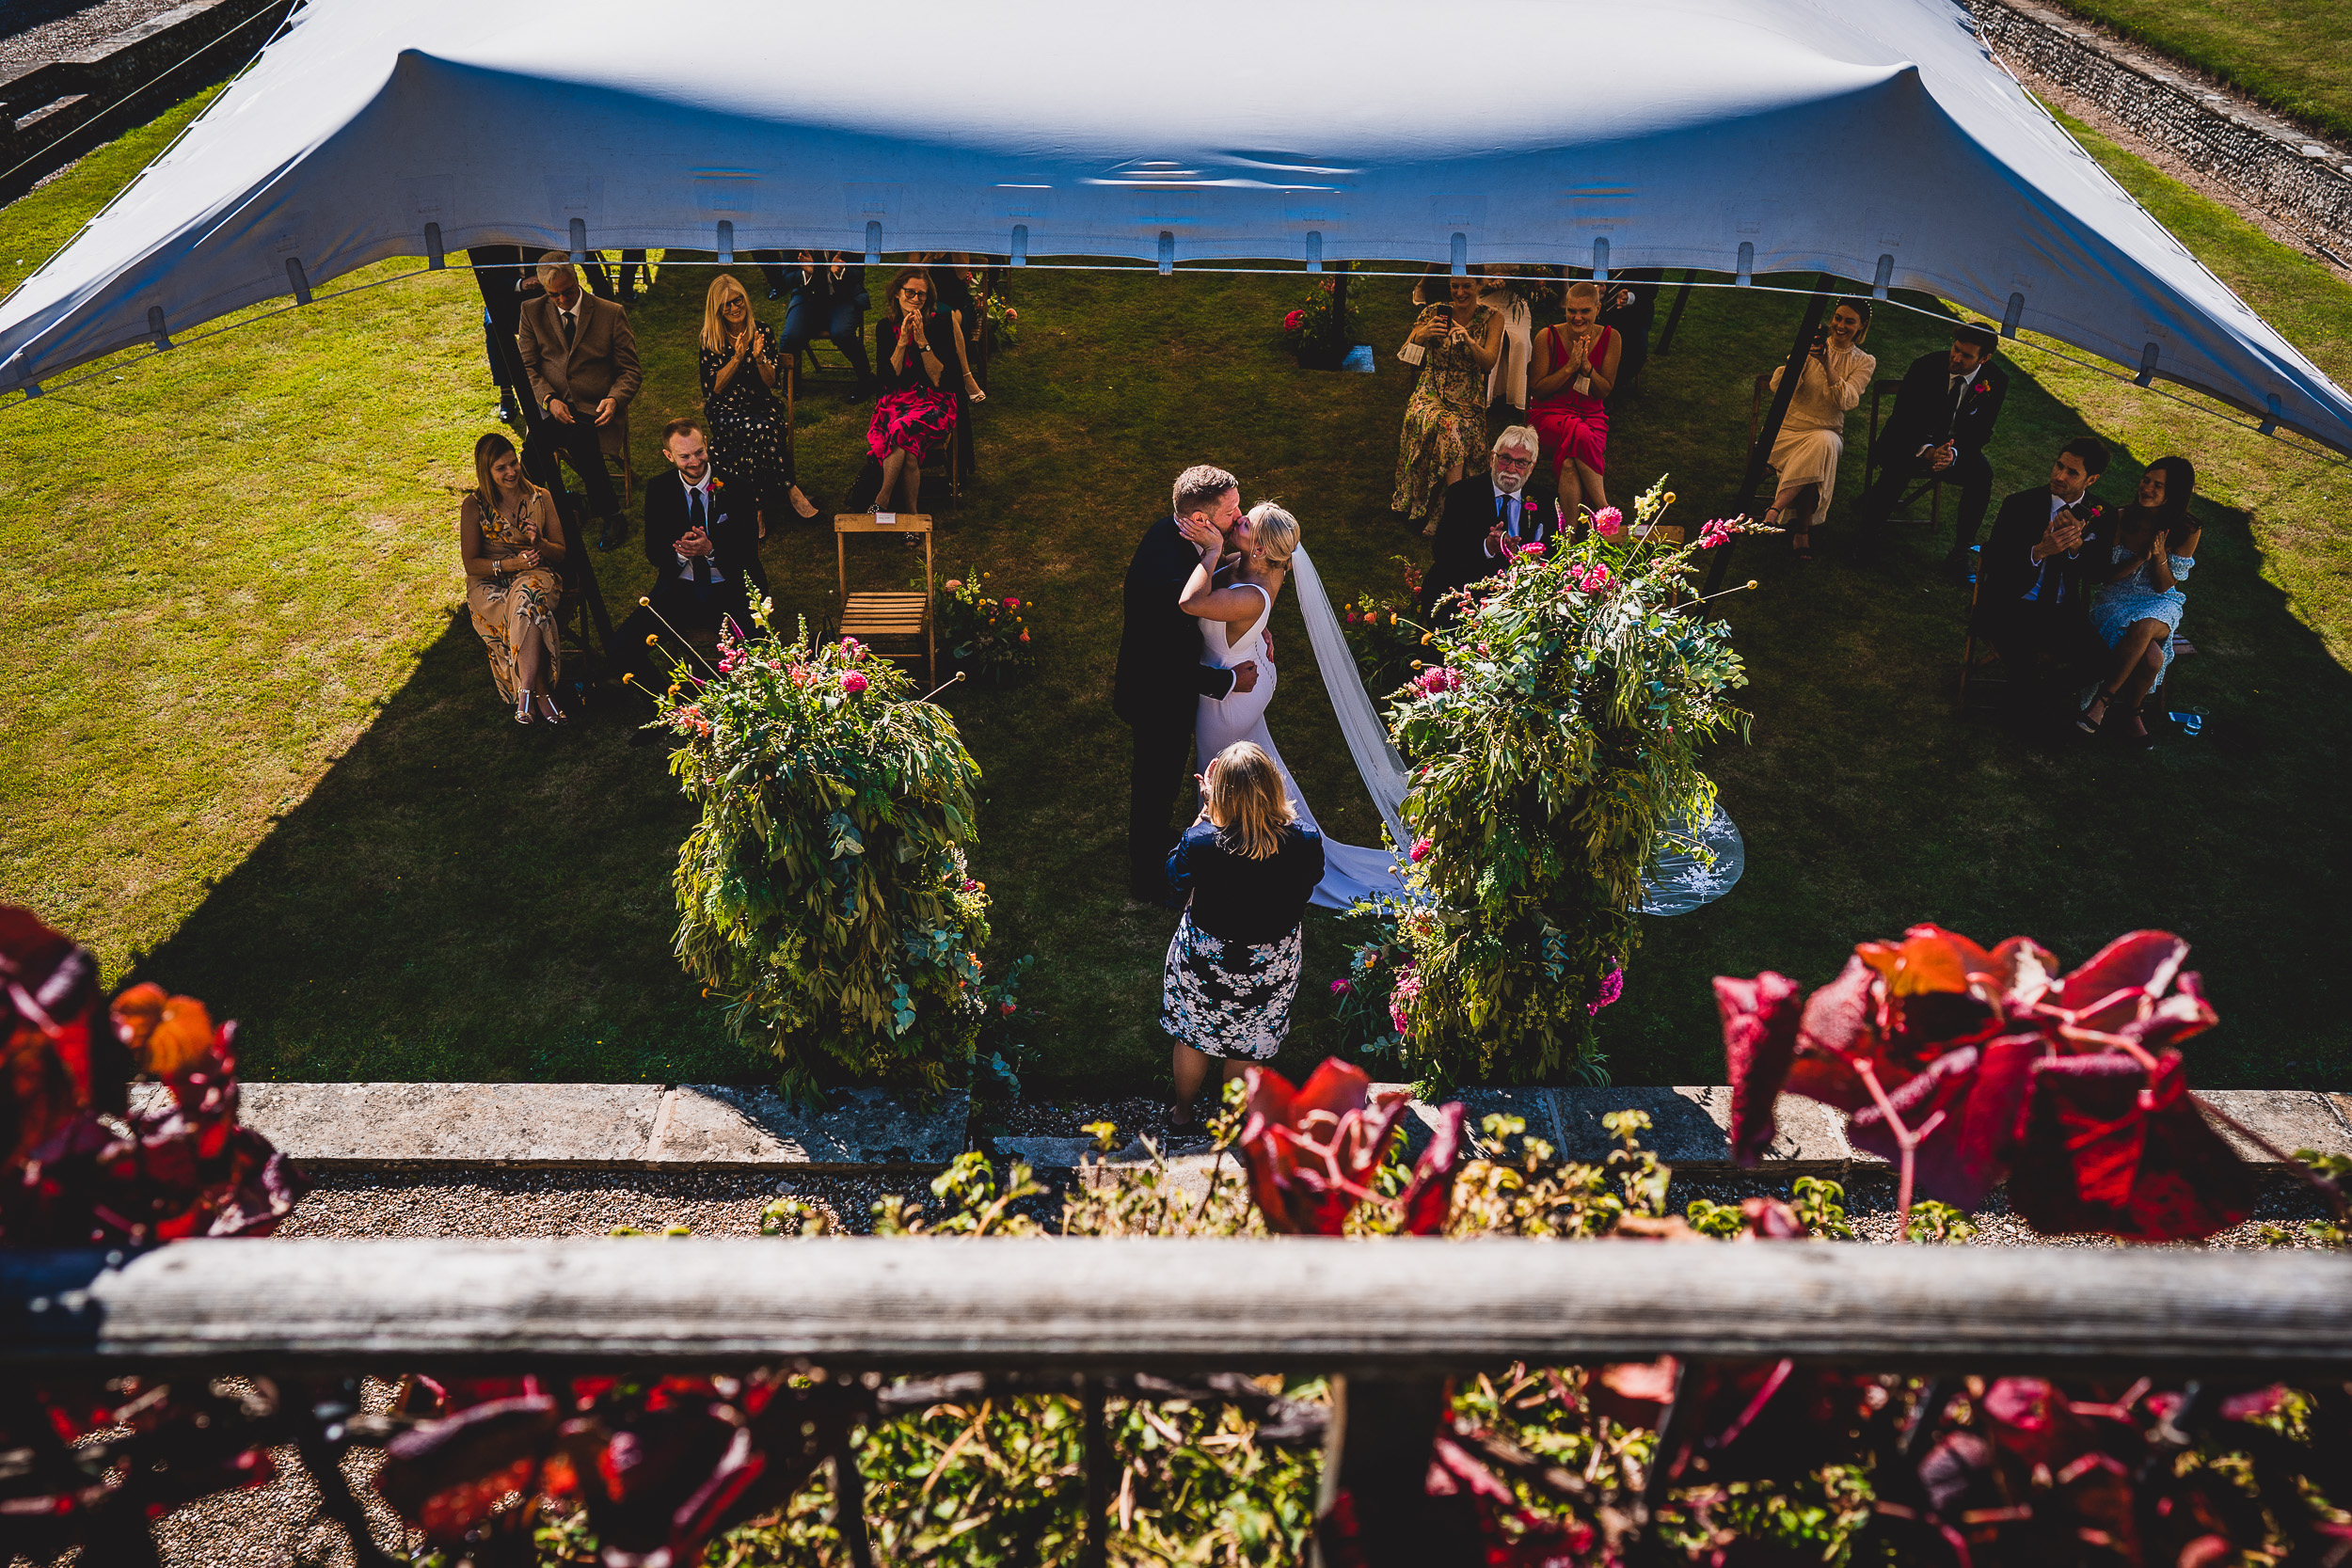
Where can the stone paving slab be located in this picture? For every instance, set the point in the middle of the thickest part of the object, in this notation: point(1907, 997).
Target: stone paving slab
point(2288, 1118)
point(507, 1124)
point(711, 1125)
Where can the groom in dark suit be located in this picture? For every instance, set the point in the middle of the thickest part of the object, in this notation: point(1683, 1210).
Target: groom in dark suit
point(1485, 515)
point(2032, 603)
point(1161, 677)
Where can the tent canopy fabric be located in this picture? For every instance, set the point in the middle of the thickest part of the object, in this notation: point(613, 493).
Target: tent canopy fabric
point(1873, 139)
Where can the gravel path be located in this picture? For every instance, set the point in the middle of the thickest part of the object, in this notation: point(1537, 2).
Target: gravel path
point(39, 32)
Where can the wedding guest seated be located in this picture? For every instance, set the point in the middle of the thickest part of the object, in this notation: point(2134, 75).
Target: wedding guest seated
point(703, 548)
point(1486, 518)
point(1250, 866)
point(581, 359)
point(1836, 377)
point(1456, 343)
point(1941, 420)
point(739, 372)
point(1504, 291)
point(828, 301)
point(912, 416)
point(2032, 597)
point(1576, 369)
point(511, 543)
point(2138, 599)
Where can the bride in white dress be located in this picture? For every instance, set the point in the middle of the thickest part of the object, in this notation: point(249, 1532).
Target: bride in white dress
point(1235, 604)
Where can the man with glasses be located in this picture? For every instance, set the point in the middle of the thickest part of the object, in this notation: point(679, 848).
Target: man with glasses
point(1486, 519)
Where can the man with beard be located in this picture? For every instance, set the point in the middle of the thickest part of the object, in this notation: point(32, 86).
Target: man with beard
point(2031, 596)
point(1485, 518)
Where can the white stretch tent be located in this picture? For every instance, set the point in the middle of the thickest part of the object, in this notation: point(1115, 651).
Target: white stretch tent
point(1874, 139)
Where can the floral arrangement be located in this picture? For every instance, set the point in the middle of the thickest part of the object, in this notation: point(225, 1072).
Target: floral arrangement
point(987, 636)
point(1004, 320)
point(1382, 634)
point(1317, 329)
point(1552, 738)
point(824, 894)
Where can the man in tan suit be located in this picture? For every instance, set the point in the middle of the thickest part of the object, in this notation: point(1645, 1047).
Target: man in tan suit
point(581, 359)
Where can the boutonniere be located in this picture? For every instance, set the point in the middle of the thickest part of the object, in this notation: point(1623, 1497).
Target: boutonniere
point(718, 484)
point(1979, 389)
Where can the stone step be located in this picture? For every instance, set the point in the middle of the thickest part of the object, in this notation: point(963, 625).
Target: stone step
point(714, 1127)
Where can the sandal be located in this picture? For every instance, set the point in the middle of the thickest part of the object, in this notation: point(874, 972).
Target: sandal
point(2140, 736)
point(2099, 700)
point(549, 711)
point(1800, 545)
point(972, 391)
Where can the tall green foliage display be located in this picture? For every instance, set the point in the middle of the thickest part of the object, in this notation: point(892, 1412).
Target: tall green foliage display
point(1553, 736)
point(824, 894)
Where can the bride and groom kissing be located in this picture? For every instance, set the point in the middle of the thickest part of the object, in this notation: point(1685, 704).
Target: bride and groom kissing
point(1196, 667)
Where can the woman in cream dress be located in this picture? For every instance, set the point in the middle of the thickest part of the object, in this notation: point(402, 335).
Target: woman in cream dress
point(1836, 373)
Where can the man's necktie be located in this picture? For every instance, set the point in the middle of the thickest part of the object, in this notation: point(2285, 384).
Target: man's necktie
point(568, 325)
point(695, 520)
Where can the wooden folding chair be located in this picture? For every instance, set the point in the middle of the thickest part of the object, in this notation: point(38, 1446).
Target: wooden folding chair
point(1933, 486)
point(1972, 657)
point(897, 616)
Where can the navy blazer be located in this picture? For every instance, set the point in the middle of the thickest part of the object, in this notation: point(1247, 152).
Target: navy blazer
point(734, 532)
point(1235, 898)
point(1468, 512)
point(1160, 670)
point(1928, 415)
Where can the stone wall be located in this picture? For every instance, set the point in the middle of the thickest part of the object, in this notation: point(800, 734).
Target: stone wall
point(2269, 165)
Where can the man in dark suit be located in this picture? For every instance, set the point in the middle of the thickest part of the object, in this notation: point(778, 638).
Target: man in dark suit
point(500, 271)
point(1484, 516)
point(1942, 421)
point(703, 547)
point(581, 359)
point(1161, 677)
point(2030, 593)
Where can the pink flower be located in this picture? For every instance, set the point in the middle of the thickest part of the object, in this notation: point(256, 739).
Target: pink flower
point(1534, 546)
point(1013, 604)
point(1006, 1009)
point(1293, 322)
point(1025, 637)
point(1716, 532)
point(955, 585)
point(1612, 986)
point(1340, 988)
point(1592, 579)
point(1420, 849)
point(1606, 521)
point(1353, 617)
point(1407, 989)
point(852, 683)
point(1434, 679)
point(1011, 314)
point(970, 886)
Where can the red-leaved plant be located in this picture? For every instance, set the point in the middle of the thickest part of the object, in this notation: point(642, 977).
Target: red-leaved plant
point(1966, 1068)
point(1313, 1151)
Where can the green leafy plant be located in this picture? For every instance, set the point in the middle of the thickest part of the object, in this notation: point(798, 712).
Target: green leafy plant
point(824, 893)
point(987, 636)
point(1553, 738)
point(1317, 329)
point(1385, 634)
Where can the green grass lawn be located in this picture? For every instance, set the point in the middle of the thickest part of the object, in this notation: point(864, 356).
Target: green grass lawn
point(2296, 55)
point(250, 752)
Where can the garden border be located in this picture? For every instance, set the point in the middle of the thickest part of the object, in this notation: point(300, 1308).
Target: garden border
point(709, 1127)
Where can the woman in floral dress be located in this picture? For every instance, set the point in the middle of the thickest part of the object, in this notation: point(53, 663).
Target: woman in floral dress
point(511, 542)
point(739, 370)
point(1445, 423)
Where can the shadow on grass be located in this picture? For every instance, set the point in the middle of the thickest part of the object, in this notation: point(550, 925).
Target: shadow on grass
point(461, 897)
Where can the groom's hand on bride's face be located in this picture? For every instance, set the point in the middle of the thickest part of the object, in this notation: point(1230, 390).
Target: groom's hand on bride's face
point(1245, 676)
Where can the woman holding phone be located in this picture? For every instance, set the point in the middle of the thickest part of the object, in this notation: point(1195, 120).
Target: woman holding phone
point(1456, 342)
point(2139, 600)
point(913, 343)
point(739, 370)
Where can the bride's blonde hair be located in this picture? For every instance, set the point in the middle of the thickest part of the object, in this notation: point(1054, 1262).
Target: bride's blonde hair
point(1247, 800)
point(1275, 530)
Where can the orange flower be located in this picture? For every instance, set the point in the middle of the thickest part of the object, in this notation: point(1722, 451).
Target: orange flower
point(166, 1034)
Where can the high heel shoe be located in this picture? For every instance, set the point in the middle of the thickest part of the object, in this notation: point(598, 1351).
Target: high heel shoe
point(549, 711)
point(2099, 700)
point(972, 391)
point(522, 710)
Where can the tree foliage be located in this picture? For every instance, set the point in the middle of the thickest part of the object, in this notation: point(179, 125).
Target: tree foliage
point(1553, 737)
point(824, 893)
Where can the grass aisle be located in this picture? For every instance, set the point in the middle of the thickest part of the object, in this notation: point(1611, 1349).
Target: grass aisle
point(249, 751)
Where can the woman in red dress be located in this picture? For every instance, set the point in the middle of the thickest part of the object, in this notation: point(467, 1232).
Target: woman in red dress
point(1576, 367)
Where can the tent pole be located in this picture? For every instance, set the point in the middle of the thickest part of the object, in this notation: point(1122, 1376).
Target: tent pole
point(1759, 455)
point(1673, 317)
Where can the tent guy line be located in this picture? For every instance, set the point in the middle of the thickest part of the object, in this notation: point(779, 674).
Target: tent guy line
point(115, 367)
